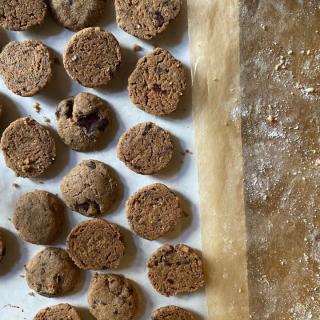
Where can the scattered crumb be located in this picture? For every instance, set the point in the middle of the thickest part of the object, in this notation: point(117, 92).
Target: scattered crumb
point(15, 185)
point(9, 219)
point(46, 120)
point(31, 294)
point(186, 152)
point(37, 107)
point(22, 276)
point(137, 48)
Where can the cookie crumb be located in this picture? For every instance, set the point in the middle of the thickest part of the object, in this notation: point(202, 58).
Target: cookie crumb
point(136, 48)
point(37, 107)
point(15, 185)
point(31, 294)
point(46, 120)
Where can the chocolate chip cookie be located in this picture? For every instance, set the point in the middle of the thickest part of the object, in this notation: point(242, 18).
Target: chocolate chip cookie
point(26, 67)
point(175, 269)
point(111, 296)
point(157, 83)
point(145, 148)
point(52, 273)
point(92, 56)
point(90, 188)
point(82, 121)
point(153, 211)
point(2, 246)
point(146, 18)
point(58, 312)
point(28, 148)
point(95, 245)
point(171, 313)
point(38, 217)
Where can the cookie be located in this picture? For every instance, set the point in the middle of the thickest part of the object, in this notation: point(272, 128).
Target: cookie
point(153, 211)
point(77, 14)
point(28, 147)
point(2, 246)
point(171, 313)
point(145, 148)
point(95, 245)
point(145, 19)
point(58, 312)
point(26, 67)
point(92, 56)
point(20, 15)
point(111, 296)
point(38, 217)
point(52, 273)
point(157, 83)
point(82, 121)
point(175, 269)
point(90, 188)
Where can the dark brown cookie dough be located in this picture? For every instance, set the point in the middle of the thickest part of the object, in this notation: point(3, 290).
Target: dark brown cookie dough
point(51, 273)
point(92, 56)
point(82, 121)
point(145, 148)
point(58, 312)
point(145, 19)
point(111, 296)
point(19, 15)
point(28, 148)
point(2, 246)
point(157, 83)
point(38, 217)
point(95, 245)
point(26, 67)
point(171, 313)
point(153, 211)
point(175, 269)
point(77, 14)
point(90, 188)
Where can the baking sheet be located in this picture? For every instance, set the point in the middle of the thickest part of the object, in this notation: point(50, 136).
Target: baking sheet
point(15, 299)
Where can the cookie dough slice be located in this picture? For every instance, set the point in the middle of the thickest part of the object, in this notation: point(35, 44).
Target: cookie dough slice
point(95, 245)
point(28, 147)
point(52, 273)
point(112, 296)
point(145, 148)
point(82, 121)
point(2, 246)
point(146, 18)
point(92, 56)
point(58, 312)
point(90, 188)
point(153, 211)
point(172, 313)
point(157, 83)
point(175, 269)
point(26, 67)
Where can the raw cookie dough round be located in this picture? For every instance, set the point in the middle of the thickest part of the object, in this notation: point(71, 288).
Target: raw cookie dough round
point(51, 273)
point(26, 67)
point(175, 269)
point(95, 245)
point(77, 14)
point(171, 313)
point(146, 18)
point(2, 246)
point(90, 188)
point(92, 56)
point(145, 148)
point(38, 217)
point(58, 312)
point(111, 296)
point(153, 211)
point(82, 121)
point(157, 83)
point(28, 147)
point(19, 15)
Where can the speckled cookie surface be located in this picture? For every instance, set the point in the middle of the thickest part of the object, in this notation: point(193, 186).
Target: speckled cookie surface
point(153, 211)
point(25, 67)
point(28, 148)
point(2, 246)
point(157, 83)
point(38, 217)
point(146, 18)
point(95, 245)
point(19, 15)
point(92, 56)
point(77, 14)
point(90, 188)
point(51, 272)
point(58, 312)
point(171, 313)
point(145, 148)
point(82, 121)
point(111, 297)
point(175, 269)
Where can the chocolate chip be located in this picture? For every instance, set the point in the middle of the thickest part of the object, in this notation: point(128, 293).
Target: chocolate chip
point(159, 19)
point(157, 88)
point(91, 165)
point(89, 207)
point(69, 108)
point(146, 129)
point(92, 122)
